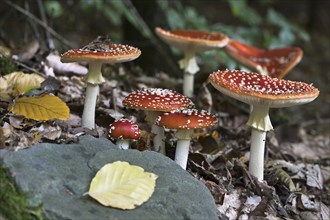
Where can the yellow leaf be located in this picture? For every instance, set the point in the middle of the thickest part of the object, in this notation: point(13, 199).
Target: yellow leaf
point(121, 185)
point(40, 108)
point(26, 82)
point(4, 96)
point(17, 83)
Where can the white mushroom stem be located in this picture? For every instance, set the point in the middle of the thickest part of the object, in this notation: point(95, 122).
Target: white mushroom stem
point(159, 138)
point(259, 118)
point(190, 67)
point(257, 150)
point(94, 78)
point(123, 144)
point(182, 147)
point(88, 116)
point(262, 70)
point(260, 123)
point(188, 84)
point(182, 152)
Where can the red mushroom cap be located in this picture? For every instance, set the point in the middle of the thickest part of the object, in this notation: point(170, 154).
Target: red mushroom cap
point(193, 39)
point(114, 53)
point(157, 99)
point(278, 61)
point(186, 119)
point(124, 129)
point(256, 89)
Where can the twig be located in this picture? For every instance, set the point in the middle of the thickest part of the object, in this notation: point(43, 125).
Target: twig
point(29, 68)
point(38, 21)
point(49, 40)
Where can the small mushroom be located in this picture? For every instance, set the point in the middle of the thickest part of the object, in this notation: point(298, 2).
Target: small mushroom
point(154, 101)
point(276, 62)
point(124, 130)
point(191, 42)
point(184, 121)
point(96, 53)
point(262, 92)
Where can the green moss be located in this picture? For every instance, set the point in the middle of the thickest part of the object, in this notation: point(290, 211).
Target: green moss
point(13, 203)
point(7, 66)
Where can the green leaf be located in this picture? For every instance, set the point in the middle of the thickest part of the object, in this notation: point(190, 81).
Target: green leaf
point(241, 10)
point(279, 20)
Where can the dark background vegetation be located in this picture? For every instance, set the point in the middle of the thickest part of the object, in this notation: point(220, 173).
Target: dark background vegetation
point(262, 23)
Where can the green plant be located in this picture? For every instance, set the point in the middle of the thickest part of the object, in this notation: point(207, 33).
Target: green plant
point(7, 66)
point(13, 203)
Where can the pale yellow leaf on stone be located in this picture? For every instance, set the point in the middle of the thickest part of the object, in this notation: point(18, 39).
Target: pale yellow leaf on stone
point(121, 185)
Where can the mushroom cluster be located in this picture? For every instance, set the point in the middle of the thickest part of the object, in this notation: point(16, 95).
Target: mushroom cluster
point(169, 109)
point(154, 101)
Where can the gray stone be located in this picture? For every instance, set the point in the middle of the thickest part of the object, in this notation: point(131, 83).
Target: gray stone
point(59, 175)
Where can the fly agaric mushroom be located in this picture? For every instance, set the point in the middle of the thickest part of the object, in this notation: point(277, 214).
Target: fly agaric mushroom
point(185, 121)
point(155, 101)
point(275, 62)
point(96, 53)
point(262, 92)
point(124, 130)
point(191, 42)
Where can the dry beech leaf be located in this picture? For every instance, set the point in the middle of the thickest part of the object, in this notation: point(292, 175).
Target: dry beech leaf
point(17, 83)
point(27, 82)
point(121, 185)
point(45, 107)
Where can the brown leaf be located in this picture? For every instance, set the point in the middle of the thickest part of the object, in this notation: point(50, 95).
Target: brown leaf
point(217, 192)
point(198, 164)
point(209, 145)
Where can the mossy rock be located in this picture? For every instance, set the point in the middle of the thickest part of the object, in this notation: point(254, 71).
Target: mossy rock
point(14, 204)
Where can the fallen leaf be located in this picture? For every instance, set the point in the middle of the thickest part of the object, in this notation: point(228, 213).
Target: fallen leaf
point(121, 185)
point(314, 176)
point(50, 132)
point(217, 192)
point(45, 107)
point(17, 83)
point(231, 204)
point(284, 178)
